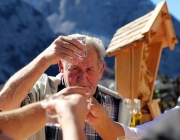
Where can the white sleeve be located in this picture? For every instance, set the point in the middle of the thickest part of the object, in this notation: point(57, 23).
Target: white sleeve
point(140, 130)
point(137, 131)
point(134, 132)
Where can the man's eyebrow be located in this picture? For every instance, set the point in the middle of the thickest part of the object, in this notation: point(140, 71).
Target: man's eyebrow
point(75, 66)
point(90, 67)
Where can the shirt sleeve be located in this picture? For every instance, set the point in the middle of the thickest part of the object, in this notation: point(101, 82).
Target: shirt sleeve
point(38, 91)
point(132, 132)
point(140, 130)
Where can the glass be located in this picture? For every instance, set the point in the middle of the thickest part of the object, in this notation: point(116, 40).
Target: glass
point(52, 117)
point(128, 138)
point(89, 101)
point(82, 40)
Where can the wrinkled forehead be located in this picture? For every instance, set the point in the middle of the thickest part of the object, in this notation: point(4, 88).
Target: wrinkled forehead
point(87, 62)
point(91, 60)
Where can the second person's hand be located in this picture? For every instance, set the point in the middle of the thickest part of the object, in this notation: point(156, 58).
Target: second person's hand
point(69, 102)
point(97, 114)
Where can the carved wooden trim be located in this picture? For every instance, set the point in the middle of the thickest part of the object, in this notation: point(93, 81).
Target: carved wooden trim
point(145, 77)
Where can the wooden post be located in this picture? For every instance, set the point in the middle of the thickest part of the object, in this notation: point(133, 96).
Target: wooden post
point(154, 108)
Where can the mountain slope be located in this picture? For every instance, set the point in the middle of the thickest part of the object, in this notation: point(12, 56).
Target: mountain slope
point(28, 27)
point(24, 33)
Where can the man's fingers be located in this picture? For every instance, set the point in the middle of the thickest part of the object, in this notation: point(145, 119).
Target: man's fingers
point(67, 51)
point(76, 89)
point(73, 41)
point(88, 95)
point(72, 90)
point(69, 59)
point(67, 48)
point(48, 105)
point(94, 101)
point(80, 90)
point(72, 47)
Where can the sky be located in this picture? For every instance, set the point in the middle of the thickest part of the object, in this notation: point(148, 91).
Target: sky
point(173, 7)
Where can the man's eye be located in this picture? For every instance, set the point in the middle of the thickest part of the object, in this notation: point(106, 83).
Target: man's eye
point(75, 68)
point(90, 69)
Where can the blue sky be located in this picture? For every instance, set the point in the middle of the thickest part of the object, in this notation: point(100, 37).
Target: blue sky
point(173, 7)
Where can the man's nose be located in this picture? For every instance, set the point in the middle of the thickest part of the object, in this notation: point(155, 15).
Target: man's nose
point(82, 76)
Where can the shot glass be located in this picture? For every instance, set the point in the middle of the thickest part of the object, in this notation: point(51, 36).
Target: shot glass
point(51, 117)
point(82, 40)
point(89, 101)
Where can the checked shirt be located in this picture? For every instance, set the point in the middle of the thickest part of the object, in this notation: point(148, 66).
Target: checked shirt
point(48, 84)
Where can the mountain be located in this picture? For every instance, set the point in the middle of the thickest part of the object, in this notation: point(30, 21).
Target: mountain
point(28, 27)
point(102, 19)
point(24, 33)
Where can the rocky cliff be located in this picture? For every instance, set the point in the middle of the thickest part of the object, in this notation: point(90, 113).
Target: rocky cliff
point(28, 27)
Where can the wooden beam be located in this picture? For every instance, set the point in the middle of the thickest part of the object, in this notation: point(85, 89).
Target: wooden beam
point(160, 36)
point(156, 16)
point(155, 51)
point(127, 66)
point(125, 48)
point(169, 32)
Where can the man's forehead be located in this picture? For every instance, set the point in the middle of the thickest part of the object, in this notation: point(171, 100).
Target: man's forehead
point(84, 63)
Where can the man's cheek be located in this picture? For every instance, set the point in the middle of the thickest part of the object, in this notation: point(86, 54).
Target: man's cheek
point(93, 80)
point(73, 81)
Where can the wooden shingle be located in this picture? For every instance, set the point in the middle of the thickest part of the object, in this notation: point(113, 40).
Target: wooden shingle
point(138, 29)
point(128, 34)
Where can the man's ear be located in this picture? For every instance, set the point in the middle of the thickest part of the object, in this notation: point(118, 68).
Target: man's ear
point(102, 70)
point(60, 66)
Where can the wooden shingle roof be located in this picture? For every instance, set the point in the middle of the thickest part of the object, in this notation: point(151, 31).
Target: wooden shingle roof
point(137, 29)
point(129, 33)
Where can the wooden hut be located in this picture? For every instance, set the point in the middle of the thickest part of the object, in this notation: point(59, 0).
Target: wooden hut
point(137, 48)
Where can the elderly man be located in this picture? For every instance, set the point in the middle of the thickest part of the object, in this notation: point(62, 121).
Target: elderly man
point(28, 86)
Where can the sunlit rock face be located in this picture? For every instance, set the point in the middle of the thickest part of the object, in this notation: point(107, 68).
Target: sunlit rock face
point(102, 19)
point(28, 26)
point(24, 33)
